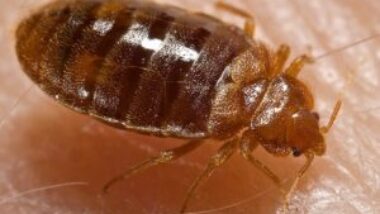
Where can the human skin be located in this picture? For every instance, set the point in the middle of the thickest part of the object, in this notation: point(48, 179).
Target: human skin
point(54, 160)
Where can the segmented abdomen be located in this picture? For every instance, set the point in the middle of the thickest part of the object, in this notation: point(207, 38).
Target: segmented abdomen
point(151, 68)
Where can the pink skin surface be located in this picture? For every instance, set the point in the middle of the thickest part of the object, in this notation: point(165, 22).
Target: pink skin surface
point(53, 160)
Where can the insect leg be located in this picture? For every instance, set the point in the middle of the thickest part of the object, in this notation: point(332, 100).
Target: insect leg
point(223, 154)
point(297, 65)
point(163, 157)
point(247, 145)
point(280, 58)
point(309, 159)
point(249, 26)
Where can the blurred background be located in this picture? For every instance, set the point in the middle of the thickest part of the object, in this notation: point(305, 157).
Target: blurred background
point(53, 160)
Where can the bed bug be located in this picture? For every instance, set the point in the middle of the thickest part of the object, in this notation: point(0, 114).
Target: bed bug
point(164, 71)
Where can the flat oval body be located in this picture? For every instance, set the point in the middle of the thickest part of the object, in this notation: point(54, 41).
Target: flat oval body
point(143, 66)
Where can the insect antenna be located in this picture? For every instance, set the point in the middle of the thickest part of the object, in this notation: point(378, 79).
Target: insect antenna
point(346, 47)
point(338, 104)
point(333, 117)
point(296, 66)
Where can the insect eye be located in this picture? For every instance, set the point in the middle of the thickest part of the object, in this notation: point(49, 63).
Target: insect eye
point(296, 152)
point(316, 115)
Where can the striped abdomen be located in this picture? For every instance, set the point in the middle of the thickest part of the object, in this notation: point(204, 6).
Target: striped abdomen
point(148, 67)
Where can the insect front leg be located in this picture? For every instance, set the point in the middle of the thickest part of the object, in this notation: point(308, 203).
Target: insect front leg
point(309, 159)
point(223, 154)
point(163, 157)
point(249, 26)
point(248, 143)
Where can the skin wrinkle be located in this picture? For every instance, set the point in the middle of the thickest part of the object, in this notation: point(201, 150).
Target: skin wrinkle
point(348, 50)
point(14, 106)
point(361, 17)
point(352, 175)
point(342, 199)
point(22, 131)
point(357, 205)
point(334, 189)
point(41, 189)
point(318, 34)
point(366, 139)
point(364, 190)
point(343, 167)
point(374, 5)
point(365, 160)
point(339, 36)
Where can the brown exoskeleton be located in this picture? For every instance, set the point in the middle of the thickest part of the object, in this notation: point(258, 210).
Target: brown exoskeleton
point(168, 72)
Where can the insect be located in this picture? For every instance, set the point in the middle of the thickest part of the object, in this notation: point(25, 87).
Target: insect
point(164, 71)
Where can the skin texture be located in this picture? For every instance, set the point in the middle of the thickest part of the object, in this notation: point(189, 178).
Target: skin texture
point(44, 144)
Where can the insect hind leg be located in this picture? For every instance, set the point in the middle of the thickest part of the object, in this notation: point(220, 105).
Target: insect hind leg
point(249, 26)
point(223, 154)
point(163, 157)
